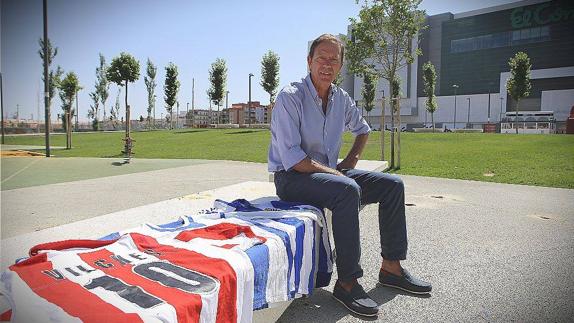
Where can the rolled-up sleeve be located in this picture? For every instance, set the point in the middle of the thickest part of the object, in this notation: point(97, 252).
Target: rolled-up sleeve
point(285, 126)
point(354, 122)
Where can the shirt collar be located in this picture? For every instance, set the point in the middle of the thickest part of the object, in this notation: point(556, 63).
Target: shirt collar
point(313, 91)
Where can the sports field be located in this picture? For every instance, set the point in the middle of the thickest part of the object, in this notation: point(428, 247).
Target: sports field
point(543, 160)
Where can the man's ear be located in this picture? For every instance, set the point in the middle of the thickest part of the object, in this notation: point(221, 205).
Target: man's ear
point(309, 62)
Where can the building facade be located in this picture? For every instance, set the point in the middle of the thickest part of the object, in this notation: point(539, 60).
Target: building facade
point(470, 52)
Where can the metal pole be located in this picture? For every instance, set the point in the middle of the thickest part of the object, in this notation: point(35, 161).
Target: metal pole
point(249, 103)
point(77, 110)
point(227, 107)
point(46, 80)
point(468, 114)
point(488, 105)
point(192, 102)
point(500, 114)
point(454, 121)
point(38, 109)
point(177, 117)
point(2, 105)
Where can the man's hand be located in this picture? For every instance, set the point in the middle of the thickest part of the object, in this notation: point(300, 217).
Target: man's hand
point(347, 163)
point(353, 157)
point(307, 165)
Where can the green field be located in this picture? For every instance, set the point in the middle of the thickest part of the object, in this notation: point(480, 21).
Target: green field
point(543, 160)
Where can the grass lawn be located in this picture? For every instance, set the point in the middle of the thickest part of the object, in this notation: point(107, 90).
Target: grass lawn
point(543, 160)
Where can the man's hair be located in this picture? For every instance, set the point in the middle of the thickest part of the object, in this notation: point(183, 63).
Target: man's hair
point(329, 38)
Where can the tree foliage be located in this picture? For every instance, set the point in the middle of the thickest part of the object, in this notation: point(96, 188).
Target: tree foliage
point(270, 74)
point(429, 78)
point(124, 69)
point(53, 76)
point(102, 84)
point(368, 92)
point(339, 79)
point(381, 43)
point(518, 85)
point(150, 84)
point(381, 39)
point(115, 111)
point(69, 86)
point(218, 80)
point(93, 112)
point(171, 87)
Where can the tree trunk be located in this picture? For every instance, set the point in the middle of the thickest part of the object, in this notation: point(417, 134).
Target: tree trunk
point(398, 135)
point(68, 128)
point(432, 120)
point(516, 116)
point(383, 129)
point(392, 132)
point(127, 113)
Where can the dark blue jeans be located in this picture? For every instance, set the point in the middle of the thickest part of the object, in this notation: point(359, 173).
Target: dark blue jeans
point(344, 196)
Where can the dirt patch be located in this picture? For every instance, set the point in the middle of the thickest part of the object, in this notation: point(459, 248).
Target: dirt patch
point(20, 153)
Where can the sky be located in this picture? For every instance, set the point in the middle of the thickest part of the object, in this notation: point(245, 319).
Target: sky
point(191, 34)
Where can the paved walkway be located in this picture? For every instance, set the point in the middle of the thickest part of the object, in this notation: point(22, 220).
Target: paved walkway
point(494, 252)
point(57, 191)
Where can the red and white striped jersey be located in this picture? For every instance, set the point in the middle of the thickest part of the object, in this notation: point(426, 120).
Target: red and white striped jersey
point(137, 278)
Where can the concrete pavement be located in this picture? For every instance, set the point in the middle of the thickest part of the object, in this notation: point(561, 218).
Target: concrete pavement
point(39, 207)
point(494, 252)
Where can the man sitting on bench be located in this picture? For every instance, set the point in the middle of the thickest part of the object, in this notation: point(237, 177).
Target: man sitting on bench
point(309, 118)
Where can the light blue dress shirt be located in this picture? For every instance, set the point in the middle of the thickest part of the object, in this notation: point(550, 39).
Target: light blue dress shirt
point(300, 129)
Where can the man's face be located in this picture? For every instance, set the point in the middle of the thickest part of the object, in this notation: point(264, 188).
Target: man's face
point(325, 64)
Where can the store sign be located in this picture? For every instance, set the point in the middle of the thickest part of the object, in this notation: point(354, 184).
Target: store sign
point(540, 15)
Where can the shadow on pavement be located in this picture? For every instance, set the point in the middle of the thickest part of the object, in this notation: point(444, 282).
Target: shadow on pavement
point(125, 162)
point(322, 307)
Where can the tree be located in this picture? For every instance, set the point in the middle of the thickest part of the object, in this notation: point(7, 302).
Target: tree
point(270, 74)
point(170, 88)
point(339, 80)
point(429, 78)
point(381, 42)
point(53, 76)
point(396, 116)
point(218, 80)
point(123, 69)
point(69, 86)
point(102, 86)
point(150, 85)
point(115, 111)
point(93, 112)
point(368, 92)
point(518, 85)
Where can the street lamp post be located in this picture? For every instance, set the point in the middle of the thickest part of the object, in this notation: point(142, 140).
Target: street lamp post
point(468, 114)
point(227, 107)
point(2, 107)
point(382, 112)
point(454, 86)
point(46, 80)
point(77, 110)
point(249, 103)
point(500, 115)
